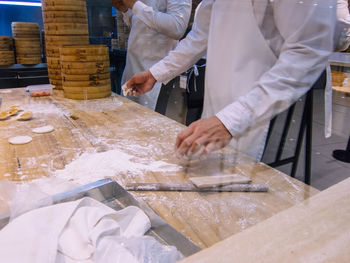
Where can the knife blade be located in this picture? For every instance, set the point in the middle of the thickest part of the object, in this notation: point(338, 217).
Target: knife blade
point(192, 188)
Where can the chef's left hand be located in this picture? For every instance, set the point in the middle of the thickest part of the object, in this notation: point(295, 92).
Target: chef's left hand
point(201, 138)
point(129, 3)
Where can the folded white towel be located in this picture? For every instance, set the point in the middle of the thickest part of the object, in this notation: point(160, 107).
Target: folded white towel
point(81, 231)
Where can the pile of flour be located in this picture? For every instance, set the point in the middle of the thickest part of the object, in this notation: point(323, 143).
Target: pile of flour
point(90, 167)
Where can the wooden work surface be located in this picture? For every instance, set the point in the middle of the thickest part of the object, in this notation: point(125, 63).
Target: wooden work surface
point(117, 123)
point(317, 230)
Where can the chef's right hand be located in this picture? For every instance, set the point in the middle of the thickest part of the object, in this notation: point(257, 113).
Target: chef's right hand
point(119, 5)
point(141, 83)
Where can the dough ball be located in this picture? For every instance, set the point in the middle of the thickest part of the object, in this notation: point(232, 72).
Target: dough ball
point(20, 140)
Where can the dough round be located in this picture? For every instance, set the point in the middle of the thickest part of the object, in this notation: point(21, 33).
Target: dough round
point(43, 129)
point(20, 140)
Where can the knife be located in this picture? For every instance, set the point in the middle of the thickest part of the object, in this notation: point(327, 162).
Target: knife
point(192, 188)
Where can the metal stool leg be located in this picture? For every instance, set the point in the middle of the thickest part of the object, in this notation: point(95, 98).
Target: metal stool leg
point(308, 139)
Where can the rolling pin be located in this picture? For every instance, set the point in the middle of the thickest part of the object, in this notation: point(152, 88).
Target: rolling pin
point(192, 188)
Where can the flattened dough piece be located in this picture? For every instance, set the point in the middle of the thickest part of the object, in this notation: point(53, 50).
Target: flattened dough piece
point(20, 140)
point(43, 129)
point(218, 180)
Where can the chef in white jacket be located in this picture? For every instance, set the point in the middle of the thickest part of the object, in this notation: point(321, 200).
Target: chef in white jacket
point(262, 56)
point(342, 35)
point(156, 27)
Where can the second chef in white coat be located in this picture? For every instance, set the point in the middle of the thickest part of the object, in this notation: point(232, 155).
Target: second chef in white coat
point(156, 27)
point(261, 57)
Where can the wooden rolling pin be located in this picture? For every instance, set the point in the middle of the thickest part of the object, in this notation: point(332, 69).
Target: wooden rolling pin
point(192, 188)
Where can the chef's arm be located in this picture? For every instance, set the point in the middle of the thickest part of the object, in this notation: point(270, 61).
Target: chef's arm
point(307, 29)
point(173, 23)
point(189, 50)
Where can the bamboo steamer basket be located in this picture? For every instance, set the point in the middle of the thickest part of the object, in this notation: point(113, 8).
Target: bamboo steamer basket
point(28, 51)
point(7, 54)
point(24, 25)
point(25, 30)
point(67, 40)
point(56, 71)
point(78, 20)
point(86, 65)
point(85, 71)
point(87, 89)
point(86, 77)
point(64, 16)
point(29, 55)
point(28, 61)
point(55, 42)
point(65, 23)
point(34, 31)
point(7, 57)
point(63, 5)
point(84, 58)
point(87, 96)
point(6, 43)
point(66, 29)
point(88, 83)
point(4, 62)
point(82, 50)
point(27, 42)
point(52, 52)
point(56, 82)
point(24, 35)
point(24, 42)
point(53, 63)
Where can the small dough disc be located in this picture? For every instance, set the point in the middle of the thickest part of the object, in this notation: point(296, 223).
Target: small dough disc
point(43, 129)
point(20, 140)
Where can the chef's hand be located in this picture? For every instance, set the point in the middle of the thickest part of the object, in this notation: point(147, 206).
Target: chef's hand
point(129, 3)
point(119, 5)
point(141, 83)
point(201, 138)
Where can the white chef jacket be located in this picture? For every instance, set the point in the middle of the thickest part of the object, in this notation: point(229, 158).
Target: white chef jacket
point(297, 32)
point(156, 27)
point(342, 32)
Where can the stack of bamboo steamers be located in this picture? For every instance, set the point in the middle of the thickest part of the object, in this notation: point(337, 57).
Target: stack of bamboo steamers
point(80, 69)
point(7, 54)
point(85, 72)
point(65, 23)
point(27, 42)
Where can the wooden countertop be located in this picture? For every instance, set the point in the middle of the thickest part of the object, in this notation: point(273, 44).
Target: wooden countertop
point(116, 122)
point(317, 230)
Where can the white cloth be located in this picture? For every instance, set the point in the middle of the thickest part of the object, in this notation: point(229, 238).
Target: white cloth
point(156, 27)
point(245, 88)
point(81, 231)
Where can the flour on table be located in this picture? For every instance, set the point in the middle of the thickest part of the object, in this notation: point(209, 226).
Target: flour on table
point(90, 167)
point(5, 91)
point(20, 140)
point(43, 129)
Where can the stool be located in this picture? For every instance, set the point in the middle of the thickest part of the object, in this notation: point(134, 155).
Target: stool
point(305, 126)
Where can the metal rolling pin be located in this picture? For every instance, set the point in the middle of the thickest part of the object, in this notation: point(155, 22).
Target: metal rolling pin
point(192, 188)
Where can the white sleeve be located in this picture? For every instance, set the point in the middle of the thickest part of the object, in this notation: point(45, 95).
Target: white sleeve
point(189, 50)
point(173, 23)
point(306, 29)
point(127, 17)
